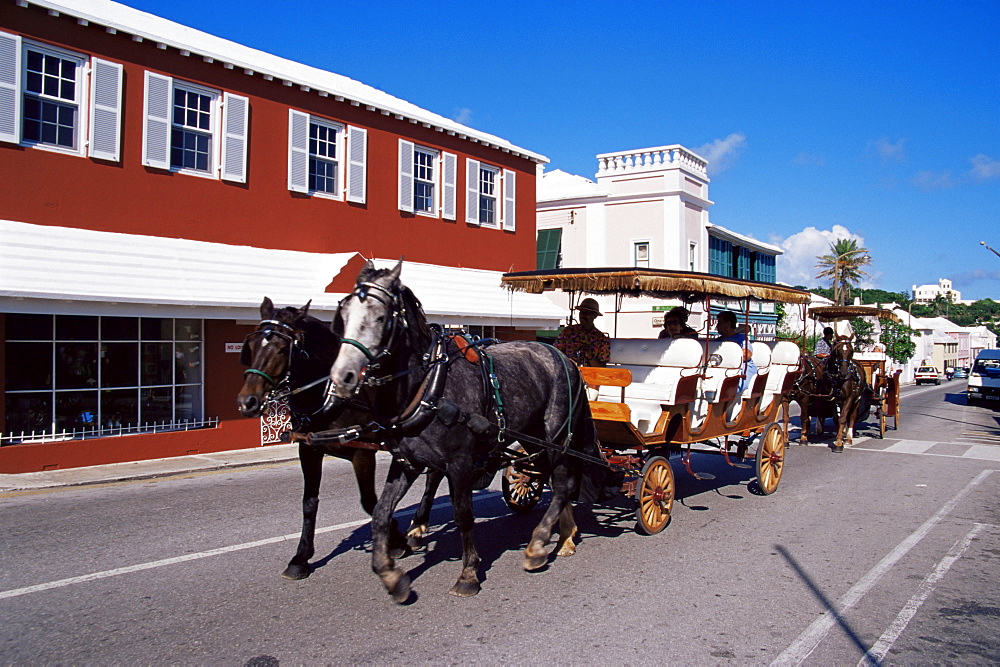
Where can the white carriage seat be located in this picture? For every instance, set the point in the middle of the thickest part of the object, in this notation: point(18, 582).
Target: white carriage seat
point(657, 367)
point(784, 358)
point(761, 354)
point(725, 360)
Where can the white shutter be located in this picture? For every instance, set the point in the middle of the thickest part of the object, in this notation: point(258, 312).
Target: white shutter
point(508, 200)
point(406, 175)
point(10, 88)
point(472, 192)
point(105, 110)
point(357, 157)
point(235, 130)
point(450, 173)
point(156, 130)
point(298, 151)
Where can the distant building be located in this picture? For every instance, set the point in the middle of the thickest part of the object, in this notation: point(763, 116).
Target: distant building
point(647, 208)
point(926, 294)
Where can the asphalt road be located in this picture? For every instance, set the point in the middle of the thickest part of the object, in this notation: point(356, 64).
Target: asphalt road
point(891, 548)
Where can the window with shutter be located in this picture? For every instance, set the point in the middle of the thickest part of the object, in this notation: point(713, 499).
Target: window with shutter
point(298, 151)
point(52, 94)
point(509, 190)
point(548, 249)
point(406, 176)
point(105, 110)
point(472, 192)
point(357, 147)
point(235, 119)
point(156, 130)
point(10, 83)
point(449, 172)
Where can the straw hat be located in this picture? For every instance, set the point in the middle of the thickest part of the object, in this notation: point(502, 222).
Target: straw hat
point(589, 304)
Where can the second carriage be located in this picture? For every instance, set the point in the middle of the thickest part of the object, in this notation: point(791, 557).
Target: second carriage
point(884, 384)
point(658, 398)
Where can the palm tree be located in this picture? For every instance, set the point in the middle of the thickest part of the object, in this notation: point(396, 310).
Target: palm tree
point(843, 267)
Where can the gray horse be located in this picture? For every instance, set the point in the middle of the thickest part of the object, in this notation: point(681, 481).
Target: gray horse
point(446, 411)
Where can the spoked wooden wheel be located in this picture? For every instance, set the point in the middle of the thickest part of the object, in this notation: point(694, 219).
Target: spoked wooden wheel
point(522, 487)
point(655, 495)
point(770, 458)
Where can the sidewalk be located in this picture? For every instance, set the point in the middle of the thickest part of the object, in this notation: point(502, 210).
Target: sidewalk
point(116, 472)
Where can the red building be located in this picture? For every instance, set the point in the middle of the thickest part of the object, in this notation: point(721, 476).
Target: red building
point(159, 181)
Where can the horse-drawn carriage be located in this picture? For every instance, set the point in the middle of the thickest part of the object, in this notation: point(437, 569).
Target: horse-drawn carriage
point(675, 396)
point(883, 385)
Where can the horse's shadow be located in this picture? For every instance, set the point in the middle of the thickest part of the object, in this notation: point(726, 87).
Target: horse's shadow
point(500, 530)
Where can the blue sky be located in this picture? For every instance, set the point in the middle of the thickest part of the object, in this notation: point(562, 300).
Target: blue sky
point(878, 120)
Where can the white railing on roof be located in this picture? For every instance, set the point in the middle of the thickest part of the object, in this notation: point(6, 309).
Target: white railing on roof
point(36, 437)
point(651, 159)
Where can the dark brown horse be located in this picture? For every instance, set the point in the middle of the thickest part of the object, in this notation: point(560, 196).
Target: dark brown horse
point(289, 356)
point(438, 411)
point(834, 387)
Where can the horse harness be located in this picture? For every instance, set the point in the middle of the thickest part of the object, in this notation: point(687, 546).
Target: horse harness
point(427, 404)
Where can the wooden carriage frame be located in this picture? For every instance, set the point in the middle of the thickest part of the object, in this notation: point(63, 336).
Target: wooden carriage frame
point(643, 458)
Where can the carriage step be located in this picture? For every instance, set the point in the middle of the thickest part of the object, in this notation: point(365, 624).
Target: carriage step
point(704, 476)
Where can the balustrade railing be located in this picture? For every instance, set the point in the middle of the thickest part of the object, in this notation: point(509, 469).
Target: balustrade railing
point(35, 437)
point(651, 159)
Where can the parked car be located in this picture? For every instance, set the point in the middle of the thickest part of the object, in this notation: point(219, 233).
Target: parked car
point(960, 374)
point(926, 374)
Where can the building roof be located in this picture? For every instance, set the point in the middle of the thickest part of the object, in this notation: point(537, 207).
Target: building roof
point(743, 240)
point(253, 62)
point(47, 269)
point(558, 184)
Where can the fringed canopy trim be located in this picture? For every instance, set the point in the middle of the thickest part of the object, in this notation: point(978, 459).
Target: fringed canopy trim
point(658, 283)
point(834, 313)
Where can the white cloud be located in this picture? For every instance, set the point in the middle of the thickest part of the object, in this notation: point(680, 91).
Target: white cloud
point(722, 153)
point(798, 265)
point(890, 151)
point(462, 115)
point(933, 180)
point(984, 168)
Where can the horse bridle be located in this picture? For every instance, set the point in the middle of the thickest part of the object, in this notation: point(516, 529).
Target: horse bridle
point(276, 329)
point(393, 304)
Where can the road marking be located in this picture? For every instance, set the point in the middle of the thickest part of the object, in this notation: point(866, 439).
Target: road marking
point(205, 554)
point(881, 647)
point(800, 649)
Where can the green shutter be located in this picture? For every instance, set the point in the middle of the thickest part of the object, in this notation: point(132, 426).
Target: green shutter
point(549, 244)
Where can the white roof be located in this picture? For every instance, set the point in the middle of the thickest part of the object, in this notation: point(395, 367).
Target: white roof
point(558, 184)
point(46, 269)
point(743, 239)
point(200, 44)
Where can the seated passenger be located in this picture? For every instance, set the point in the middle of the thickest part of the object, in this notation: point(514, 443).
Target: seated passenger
point(584, 343)
point(675, 324)
point(726, 326)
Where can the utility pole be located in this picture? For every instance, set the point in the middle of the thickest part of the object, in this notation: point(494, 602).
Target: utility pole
point(991, 249)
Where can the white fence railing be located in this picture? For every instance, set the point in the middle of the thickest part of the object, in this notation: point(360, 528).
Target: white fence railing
point(34, 437)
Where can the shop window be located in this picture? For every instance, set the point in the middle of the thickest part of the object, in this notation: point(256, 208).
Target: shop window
point(83, 376)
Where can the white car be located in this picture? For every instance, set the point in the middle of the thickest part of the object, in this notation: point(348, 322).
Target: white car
point(926, 374)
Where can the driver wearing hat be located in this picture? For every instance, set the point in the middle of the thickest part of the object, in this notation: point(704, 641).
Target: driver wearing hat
point(584, 343)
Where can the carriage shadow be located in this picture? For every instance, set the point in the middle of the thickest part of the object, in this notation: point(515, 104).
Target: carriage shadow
point(499, 530)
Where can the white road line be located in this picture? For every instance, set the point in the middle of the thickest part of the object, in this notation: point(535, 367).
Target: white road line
point(911, 446)
point(889, 637)
point(204, 554)
point(798, 651)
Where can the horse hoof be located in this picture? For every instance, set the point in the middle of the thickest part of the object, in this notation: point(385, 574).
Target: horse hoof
point(400, 551)
point(295, 572)
point(838, 449)
point(464, 589)
point(532, 563)
point(569, 549)
point(398, 586)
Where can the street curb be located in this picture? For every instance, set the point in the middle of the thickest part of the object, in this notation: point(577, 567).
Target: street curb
point(137, 470)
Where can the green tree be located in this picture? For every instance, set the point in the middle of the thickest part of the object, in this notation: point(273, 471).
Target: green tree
point(843, 268)
point(897, 339)
point(864, 333)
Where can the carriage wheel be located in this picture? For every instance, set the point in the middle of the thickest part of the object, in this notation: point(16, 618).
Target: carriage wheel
point(522, 489)
point(770, 458)
point(655, 495)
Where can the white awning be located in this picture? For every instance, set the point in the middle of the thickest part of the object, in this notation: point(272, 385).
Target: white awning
point(63, 270)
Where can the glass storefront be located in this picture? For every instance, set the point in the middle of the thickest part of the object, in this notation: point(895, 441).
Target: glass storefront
point(87, 373)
